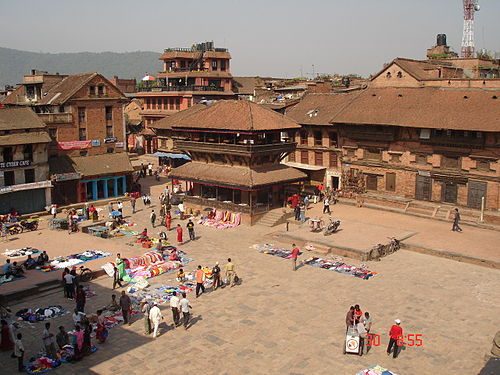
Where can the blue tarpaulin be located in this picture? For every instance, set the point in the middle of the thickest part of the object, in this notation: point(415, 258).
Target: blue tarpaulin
point(172, 156)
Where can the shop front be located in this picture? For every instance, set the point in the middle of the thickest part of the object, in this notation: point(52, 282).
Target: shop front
point(102, 188)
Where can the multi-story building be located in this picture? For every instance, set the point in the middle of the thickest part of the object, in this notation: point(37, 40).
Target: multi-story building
point(25, 185)
point(84, 117)
point(236, 148)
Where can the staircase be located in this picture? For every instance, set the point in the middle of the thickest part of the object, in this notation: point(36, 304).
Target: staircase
point(275, 217)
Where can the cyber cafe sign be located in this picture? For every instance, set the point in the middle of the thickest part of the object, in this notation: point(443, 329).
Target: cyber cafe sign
point(14, 164)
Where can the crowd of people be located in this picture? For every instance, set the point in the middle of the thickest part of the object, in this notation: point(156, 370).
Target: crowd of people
point(16, 270)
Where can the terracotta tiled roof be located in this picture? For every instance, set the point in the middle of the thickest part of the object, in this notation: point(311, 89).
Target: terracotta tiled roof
point(167, 122)
point(421, 69)
point(63, 91)
point(319, 109)
point(246, 85)
point(19, 118)
point(94, 165)
point(24, 138)
point(237, 176)
point(12, 97)
point(231, 115)
point(426, 107)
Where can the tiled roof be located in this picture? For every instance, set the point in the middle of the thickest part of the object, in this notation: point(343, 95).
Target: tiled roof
point(246, 85)
point(94, 165)
point(24, 138)
point(231, 115)
point(167, 122)
point(421, 69)
point(19, 118)
point(237, 176)
point(426, 107)
point(319, 109)
point(63, 91)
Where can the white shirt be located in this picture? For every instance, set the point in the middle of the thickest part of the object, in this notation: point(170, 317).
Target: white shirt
point(155, 314)
point(326, 202)
point(47, 340)
point(53, 210)
point(150, 166)
point(19, 348)
point(120, 205)
point(184, 304)
point(174, 302)
point(77, 317)
point(361, 329)
point(68, 278)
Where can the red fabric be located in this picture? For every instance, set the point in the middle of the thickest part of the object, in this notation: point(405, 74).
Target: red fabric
point(295, 200)
point(396, 332)
point(168, 221)
point(7, 343)
point(179, 234)
point(295, 252)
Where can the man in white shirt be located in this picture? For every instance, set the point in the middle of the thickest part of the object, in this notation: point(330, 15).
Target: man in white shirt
point(48, 342)
point(69, 285)
point(78, 316)
point(19, 352)
point(185, 306)
point(326, 205)
point(174, 305)
point(362, 335)
point(155, 317)
point(150, 169)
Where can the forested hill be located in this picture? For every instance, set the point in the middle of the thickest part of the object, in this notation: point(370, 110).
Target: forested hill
point(14, 64)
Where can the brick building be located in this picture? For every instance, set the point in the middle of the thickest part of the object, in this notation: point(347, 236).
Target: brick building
point(84, 117)
point(125, 85)
point(25, 185)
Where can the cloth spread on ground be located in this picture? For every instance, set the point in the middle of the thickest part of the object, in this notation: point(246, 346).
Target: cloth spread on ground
point(160, 294)
point(222, 220)
point(5, 279)
point(44, 364)
point(18, 253)
point(74, 259)
point(332, 265)
point(36, 315)
point(375, 370)
point(149, 265)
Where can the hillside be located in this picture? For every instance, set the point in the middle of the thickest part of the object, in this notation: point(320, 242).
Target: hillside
point(15, 63)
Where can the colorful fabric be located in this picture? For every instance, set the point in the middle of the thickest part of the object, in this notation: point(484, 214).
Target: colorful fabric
point(222, 220)
point(74, 259)
point(40, 314)
point(25, 251)
point(375, 370)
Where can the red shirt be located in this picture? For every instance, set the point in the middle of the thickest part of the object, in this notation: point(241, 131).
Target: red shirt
point(295, 253)
point(396, 332)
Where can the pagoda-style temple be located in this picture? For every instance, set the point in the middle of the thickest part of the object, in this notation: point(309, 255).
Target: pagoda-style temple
point(236, 148)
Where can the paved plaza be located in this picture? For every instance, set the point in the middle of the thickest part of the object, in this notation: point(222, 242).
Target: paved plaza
point(283, 322)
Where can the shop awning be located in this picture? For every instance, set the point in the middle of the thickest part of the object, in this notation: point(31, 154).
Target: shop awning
point(304, 166)
point(93, 165)
point(171, 156)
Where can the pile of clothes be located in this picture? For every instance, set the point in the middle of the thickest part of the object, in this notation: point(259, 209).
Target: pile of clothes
point(74, 259)
point(37, 315)
point(42, 364)
point(221, 219)
point(160, 294)
point(375, 370)
point(340, 267)
point(25, 251)
point(6, 279)
point(276, 251)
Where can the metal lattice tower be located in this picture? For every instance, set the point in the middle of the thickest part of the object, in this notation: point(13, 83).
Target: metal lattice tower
point(470, 7)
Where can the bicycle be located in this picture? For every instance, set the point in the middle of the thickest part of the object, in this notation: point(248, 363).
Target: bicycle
point(85, 274)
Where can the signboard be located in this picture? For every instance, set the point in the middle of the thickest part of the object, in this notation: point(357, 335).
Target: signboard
point(14, 164)
point(32, 185)
point(68, 176)
point(96, 142)
point(424, 173)
point(119, 144)
point(74, 145)
point(110, 140)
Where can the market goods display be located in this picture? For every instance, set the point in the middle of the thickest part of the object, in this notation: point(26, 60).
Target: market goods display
point(74, 259)
point(17, 253)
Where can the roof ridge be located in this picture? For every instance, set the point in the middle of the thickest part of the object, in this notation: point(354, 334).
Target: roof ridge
point(250, 114)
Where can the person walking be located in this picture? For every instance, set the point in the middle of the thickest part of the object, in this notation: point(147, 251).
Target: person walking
point(19, 352)
point(216, 276)
point(396, 334)
point(200, 279)
point(294, 256)
point(296, 211)
point(48, 342)
point(230, 272)
point(126, 306)
point(326, 205)
point(80, 299)
point(179, 234)
point(117, 280)
point(69, 285)
point(121, 265)
point(184, 307)
point(53, 210)
point(132, 204)
point(146, 308)
point(190, 227)
point(120, 207)
point(456, 219)
point(168, 220)
point(302, 208)
point(152, 217)
point(174, 306)
point(156, 317)
point(150, 169)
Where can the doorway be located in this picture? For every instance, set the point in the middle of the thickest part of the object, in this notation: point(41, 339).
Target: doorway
point(335, 182)
point(477, 190)
point(450, 192)
point(423, 188)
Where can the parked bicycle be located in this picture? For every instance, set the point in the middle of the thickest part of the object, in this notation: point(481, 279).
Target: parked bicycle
point(85, 274)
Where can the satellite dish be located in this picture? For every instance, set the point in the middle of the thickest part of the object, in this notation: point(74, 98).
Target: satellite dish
point(477, 7)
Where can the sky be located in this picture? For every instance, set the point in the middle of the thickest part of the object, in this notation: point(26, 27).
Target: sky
point(279, 38)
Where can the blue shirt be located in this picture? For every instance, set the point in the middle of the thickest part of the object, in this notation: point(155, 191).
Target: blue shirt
point(6, 268)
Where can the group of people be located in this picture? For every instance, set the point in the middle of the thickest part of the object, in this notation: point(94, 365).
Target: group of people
point(15, 269)
point(362, 322)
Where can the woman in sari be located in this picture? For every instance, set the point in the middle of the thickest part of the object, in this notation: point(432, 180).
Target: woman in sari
point(102, 332)
point(120, 264)
point(179, 234)
point(87, 345)
point(7, 343)
point(168, 220)
point(78, 342)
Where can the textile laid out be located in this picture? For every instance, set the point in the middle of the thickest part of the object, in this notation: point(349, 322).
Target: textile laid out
point(42, 364)
point(332, 265)
point(25, 251)
point(375, 370)
point(161, 294)
point(5, 279)
point(88, 293)
point(36, 315)
point(149, 265)
point(73, 260)
point(222, 220)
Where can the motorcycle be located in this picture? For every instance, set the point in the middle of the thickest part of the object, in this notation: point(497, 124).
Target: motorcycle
point(29, 225)
point(332, 227)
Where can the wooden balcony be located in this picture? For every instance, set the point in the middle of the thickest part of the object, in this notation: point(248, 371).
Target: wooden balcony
point(183, 88)
point(234, 149)
point(227, 206)
point(56, 118)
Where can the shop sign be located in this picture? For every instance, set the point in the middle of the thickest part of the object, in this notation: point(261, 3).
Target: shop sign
point(32, 185)
point(424, 173)
point(96, 142)
point(74, 145)
point(68, 176)
point(119, 144)
point(110, 140)
point(15, 164)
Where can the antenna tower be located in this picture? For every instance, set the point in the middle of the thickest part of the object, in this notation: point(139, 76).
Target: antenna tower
point(470, 7)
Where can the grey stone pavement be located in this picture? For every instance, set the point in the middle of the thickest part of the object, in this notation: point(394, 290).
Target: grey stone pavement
point(283, 322)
